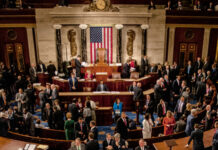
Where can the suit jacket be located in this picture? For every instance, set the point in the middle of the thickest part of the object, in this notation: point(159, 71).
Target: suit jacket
point(47, 115)
point(160, 110)
point(104, 87)
point(105, 144)
point(71, 83)
point(191, 71)
point(58, 120)
point(144, 66)
point(177, 106)
point(158, 93)
point(92, 145)
point(150, 108)
point(78, 129)
point(126, 71)
point(78, 68)
point(201, 89)
point(153, 69)
point(74, 111)
point(138, 94)
point(41, 68)
point(121, 144)
point(180, 126)
point(198, 66)
point(131, 88)
point(122, 128)
point(139, 148)
point(215, 141)
point(169, 73)
point(32, 72)
point(176, 87)
point(54, 94)
point(19, 98)
point(95, 132)
point(51, 70)
point(197, 137)
point(29, 125)
point(47, 94)
point(189, 124)
point(3, 127)
point(30, 97)
point(82, 147)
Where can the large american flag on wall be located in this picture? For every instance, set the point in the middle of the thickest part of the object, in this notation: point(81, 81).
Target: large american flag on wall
point(101, 37)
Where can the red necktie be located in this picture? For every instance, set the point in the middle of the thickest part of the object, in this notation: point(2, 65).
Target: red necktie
point(163, 109)
point(124, 120)
point(81, 127)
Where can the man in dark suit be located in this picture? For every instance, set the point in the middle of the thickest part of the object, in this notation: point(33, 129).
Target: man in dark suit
point(77, 145)
point(214, 73)
point(122, 126)
point(41, 67)
point(92, 144)
point(158, 92)
point(81, 129)
point(190, 122)
point(93, 129)
point(30, 98)
point(19, 83)
point(3, 125)
point(29, 126)
point(180, 107)
point(152, 68)
point(33, 73)
point(47, 115)
point(161, 109)
point(107, 143)
point(201, 90)
point(175, 70)
point(206, 65)
point(168, 72)
point(119, 143)
point(51, 70)
point(138, 93)
point(215, 137)
point(58, 119)
point(73, 83)
point(197, 136)
point(126, 70)
point(198, 64)
point(142, 145)
point(102, 87)
point(149, 105)
point(74, 110)
point(54, 92)
point(189, 70)
point(132, 87)
point(144, 66)
point(78, 66)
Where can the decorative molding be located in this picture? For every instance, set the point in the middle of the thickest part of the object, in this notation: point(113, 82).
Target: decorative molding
point(57, 26)
point(144, 26)
point(119, 26)
point(83, 26)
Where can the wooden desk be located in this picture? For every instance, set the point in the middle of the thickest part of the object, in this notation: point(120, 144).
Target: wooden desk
point(10, 144)
point(108, 69)
point(112, 84)
point(43, 78)
point(208, 136)
point(103, 99)
point(104, 116)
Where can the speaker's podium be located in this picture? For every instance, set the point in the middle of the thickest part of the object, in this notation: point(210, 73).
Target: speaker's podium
point(101, 63)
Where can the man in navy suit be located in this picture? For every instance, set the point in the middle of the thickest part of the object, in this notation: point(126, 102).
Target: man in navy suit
point(190, 122)
point(94, 129)
point(107, 143)
point(180, 107)
point(92, 144)
point(81, 129)
point(102, 87)
point(73, 83)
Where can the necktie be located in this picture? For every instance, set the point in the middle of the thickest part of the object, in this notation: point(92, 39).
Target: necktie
point(78, 147)
point(73, 82)
point(81, 127)
point(124, 120)
point(180, 107)
point(163, 109)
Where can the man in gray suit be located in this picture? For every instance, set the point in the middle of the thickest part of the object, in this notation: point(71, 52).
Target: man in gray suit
point(33, 73)
point(77, 145)
point(21, 100)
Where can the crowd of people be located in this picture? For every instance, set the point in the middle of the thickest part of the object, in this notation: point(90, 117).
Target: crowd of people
point(174, 100)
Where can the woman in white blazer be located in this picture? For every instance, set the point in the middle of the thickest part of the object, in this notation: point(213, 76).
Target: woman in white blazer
point(147, 126)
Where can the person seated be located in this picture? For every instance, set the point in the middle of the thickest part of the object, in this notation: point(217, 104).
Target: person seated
point(132, 65)
point(210, 7)
point(132, 87)
point(179, 5)
point(102, 87)
point(142, 145)
point(88, 75)
point(151, 5)
point(180, 124)
point(117, 108)
point(107, 143)
point(169, 123)
point(47, 115)
point(77, 145)
point(168, 6)
point(118, 142)
point(38, 124)
point(73, 83)
point(198, 6)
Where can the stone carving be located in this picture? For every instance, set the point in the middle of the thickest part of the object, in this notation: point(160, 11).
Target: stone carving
point(107, 6)
point(131, 38)
point(72, 39)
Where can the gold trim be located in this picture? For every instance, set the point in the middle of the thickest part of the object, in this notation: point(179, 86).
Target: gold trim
point(18, 25)
point(192, 25)
point(101, 25)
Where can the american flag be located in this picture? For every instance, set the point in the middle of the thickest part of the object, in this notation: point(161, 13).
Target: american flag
point(101, 37)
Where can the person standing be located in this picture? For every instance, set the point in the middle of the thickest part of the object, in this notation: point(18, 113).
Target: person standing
point(69, 127)
point(169, 123)
point(78, 66)
point(93, 129)
point(51, 71)
point(30, 98)
point(215, 137)
point(21, 100)
point(190, 122)
point(147, 126)
point(144, 66)
point(33, 73)
point(123, 126)
point(73, 83)
point(197, 137)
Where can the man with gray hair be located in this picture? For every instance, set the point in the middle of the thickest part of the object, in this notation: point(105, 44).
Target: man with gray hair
point(118, 142)
point(190, 122)
point(77, 145)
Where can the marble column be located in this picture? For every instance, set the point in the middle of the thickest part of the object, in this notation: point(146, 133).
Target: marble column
point(119, 42)
point(206, 42)
point(144, 28)
point(31, 46)
point(83, 28)
point(171, 44)
point(57, 28)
